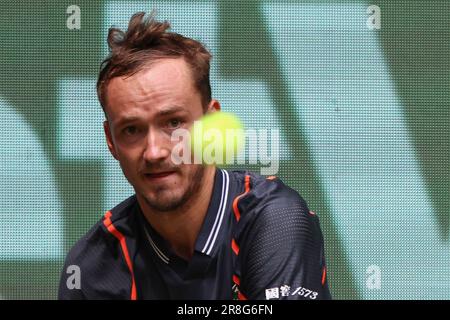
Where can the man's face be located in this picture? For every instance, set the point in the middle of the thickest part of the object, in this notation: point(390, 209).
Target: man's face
point(142, 112)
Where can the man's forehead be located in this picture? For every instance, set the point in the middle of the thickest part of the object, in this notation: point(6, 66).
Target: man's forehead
point(169, 74)
point(159, 88)
point(161, 70)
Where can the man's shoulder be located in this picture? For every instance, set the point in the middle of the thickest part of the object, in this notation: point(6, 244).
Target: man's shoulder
point(89, 245)
point(98, 237)
point(269, 207)
point(96, 253)
point(277, 239)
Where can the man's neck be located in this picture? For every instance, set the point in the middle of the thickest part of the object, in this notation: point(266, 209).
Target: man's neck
point(181, 227)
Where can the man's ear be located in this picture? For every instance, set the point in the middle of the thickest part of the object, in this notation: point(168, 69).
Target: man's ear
point(109, 140)
point(213, 106)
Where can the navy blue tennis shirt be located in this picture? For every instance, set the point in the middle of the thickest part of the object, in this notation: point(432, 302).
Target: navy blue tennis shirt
point(259, 240)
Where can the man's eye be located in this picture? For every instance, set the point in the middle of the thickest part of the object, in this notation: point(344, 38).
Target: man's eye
point(130, 130)
point(174, 123)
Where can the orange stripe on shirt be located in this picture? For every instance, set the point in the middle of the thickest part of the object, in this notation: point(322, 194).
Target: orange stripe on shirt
point(123, 244)
point(236, 280)
point(234, 246)
point(324, 275)
point(241, 296)
point(237, 214)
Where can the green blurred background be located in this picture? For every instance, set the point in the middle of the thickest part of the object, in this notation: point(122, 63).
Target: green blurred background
point(363, 115)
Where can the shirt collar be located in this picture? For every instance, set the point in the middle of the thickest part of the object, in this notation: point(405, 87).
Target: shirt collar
point(215, 217)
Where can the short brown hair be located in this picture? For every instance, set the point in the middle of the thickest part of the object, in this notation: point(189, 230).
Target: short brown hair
point(145, 41)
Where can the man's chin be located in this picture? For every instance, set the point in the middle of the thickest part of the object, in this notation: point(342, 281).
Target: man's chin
point(164, 204)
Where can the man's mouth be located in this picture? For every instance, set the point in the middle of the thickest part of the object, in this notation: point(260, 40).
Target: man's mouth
point(159, 175)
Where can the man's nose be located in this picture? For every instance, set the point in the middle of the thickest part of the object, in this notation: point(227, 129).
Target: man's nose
point(157, 147)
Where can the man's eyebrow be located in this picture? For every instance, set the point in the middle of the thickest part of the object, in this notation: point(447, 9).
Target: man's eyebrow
point(126, 119)
point(164, 112)
point(170, 110)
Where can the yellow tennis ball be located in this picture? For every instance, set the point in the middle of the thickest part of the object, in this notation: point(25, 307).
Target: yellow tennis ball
point(217, 138)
